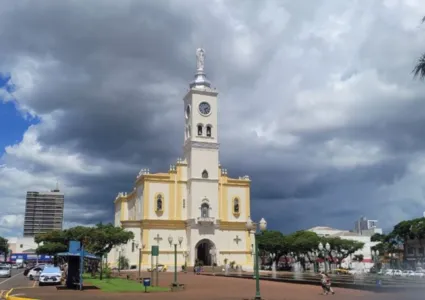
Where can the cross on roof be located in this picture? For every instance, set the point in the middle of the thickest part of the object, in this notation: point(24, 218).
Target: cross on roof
point(158, 238)
point(237, 239)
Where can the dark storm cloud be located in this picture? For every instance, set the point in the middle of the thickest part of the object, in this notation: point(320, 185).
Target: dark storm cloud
point(112, 74)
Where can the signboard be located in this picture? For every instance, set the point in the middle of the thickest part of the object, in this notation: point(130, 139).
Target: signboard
point(30, 256)
point(146, 283)
point(74, 246)
point(155, 250)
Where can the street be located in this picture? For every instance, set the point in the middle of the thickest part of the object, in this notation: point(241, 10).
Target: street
point(17, 280)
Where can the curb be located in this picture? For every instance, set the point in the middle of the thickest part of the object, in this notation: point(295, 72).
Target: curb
point(353, 286)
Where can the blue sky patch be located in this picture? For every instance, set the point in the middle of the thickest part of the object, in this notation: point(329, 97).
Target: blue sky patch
point(12, 124)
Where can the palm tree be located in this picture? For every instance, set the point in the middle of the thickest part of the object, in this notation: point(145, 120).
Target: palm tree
point(419, 69)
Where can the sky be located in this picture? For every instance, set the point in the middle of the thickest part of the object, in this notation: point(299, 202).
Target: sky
point(317, 103)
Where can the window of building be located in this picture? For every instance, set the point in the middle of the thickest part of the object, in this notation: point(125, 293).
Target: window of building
point(205, 174)
point(132, 247)
point(199, 129)
point(159, 203)
point(410, 250)
point(205, 210)
point(421, 251)
point(236, 206)
point(209, 130)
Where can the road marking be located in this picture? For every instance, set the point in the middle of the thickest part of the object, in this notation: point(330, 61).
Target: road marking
point(35, 282)
point(10, 278)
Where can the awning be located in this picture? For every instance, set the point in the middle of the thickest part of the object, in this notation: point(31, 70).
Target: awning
point(86, 255)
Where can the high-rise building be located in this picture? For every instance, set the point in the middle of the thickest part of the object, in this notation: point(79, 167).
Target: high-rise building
point(43, 212)
point(363, 226)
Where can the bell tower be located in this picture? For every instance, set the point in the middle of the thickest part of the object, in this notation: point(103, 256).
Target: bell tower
point(201, 147)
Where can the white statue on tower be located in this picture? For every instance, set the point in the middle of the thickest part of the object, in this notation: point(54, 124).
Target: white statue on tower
point(200, 59)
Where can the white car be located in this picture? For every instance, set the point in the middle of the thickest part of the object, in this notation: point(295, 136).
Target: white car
point(5, 271)
point(35, 272)
point(50, 275)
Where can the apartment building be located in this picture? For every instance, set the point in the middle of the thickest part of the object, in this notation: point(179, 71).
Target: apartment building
point(43, 212)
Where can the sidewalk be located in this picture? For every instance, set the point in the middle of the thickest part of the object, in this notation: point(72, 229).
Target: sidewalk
point(207, 288)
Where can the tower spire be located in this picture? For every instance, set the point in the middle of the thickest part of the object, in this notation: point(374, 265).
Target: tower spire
point(200, 76)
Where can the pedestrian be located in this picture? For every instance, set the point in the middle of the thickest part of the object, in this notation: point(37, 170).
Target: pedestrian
point(328, 284)
point(323, 281)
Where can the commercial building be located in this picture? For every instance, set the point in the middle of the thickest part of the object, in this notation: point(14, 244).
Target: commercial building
point(367, 261)
point(43, 212)
point(363, 226)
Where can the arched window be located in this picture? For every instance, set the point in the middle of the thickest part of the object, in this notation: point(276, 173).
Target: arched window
point(199, 129)
point(205, 210)
point(159, 203)
point(205, 174)
point(236, 206)
point(209, 130)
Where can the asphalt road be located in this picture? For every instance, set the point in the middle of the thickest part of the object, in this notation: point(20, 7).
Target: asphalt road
point(17, 280)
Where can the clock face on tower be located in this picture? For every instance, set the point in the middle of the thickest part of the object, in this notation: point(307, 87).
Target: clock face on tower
point(204, 108)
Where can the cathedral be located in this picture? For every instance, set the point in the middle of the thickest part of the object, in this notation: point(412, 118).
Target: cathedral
point(194, 205)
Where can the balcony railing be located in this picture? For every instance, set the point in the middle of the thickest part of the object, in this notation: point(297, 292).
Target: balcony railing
point(206, 220)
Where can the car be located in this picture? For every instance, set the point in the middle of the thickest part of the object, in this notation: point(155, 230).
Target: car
point(5, 271)
point(50, 275)
point(342, 271)
point(161, 268)
point(35, 272)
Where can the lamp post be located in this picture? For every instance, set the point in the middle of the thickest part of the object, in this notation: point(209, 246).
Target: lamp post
point(213, 253)
point(120, 249)
point(312, 256)
point(339, 256)
point(250, 226)
point(140, 247)
point(325, 251)
point(180, 240)
point(375, 257)
point(185, 255)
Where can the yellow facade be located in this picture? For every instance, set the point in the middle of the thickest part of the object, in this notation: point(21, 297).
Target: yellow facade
point(170, 187)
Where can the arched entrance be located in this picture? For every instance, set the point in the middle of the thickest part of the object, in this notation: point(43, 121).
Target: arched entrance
point(202, 250)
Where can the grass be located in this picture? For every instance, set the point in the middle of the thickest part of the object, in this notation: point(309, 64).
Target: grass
point(121, 285)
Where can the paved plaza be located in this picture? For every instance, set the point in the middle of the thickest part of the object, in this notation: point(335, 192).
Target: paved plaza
point(209, 288)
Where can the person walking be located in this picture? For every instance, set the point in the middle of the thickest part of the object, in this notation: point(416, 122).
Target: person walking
point(328, 284)
point(323, 281)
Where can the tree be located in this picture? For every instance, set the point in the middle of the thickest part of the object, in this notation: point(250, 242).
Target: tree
point(98, 240)
point(272, 242)
point(343, 247)
point(4, 247)
point(419, 69)
point(401, 233)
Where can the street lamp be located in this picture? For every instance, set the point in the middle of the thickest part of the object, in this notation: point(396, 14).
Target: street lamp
point(312, 255)
point(250, 226)
point(213, 253)
point(325, 251)
point(140, 257)
point(185, 255)
point(375, 257)
point(180, 240)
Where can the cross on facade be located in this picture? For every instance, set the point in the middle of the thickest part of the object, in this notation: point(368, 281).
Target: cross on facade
point(158, 238)
point(237, 239)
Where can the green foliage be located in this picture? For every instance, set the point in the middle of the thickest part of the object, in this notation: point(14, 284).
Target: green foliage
point(4, 245)
point(123, 262)
point(274, 242)
point(301, 242)
point(106, 270)
point(98, 240)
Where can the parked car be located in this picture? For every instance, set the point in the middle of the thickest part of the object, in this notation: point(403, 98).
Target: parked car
point(161, 268)
point(35, 272)
point(50, 275)
point(5, 271)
